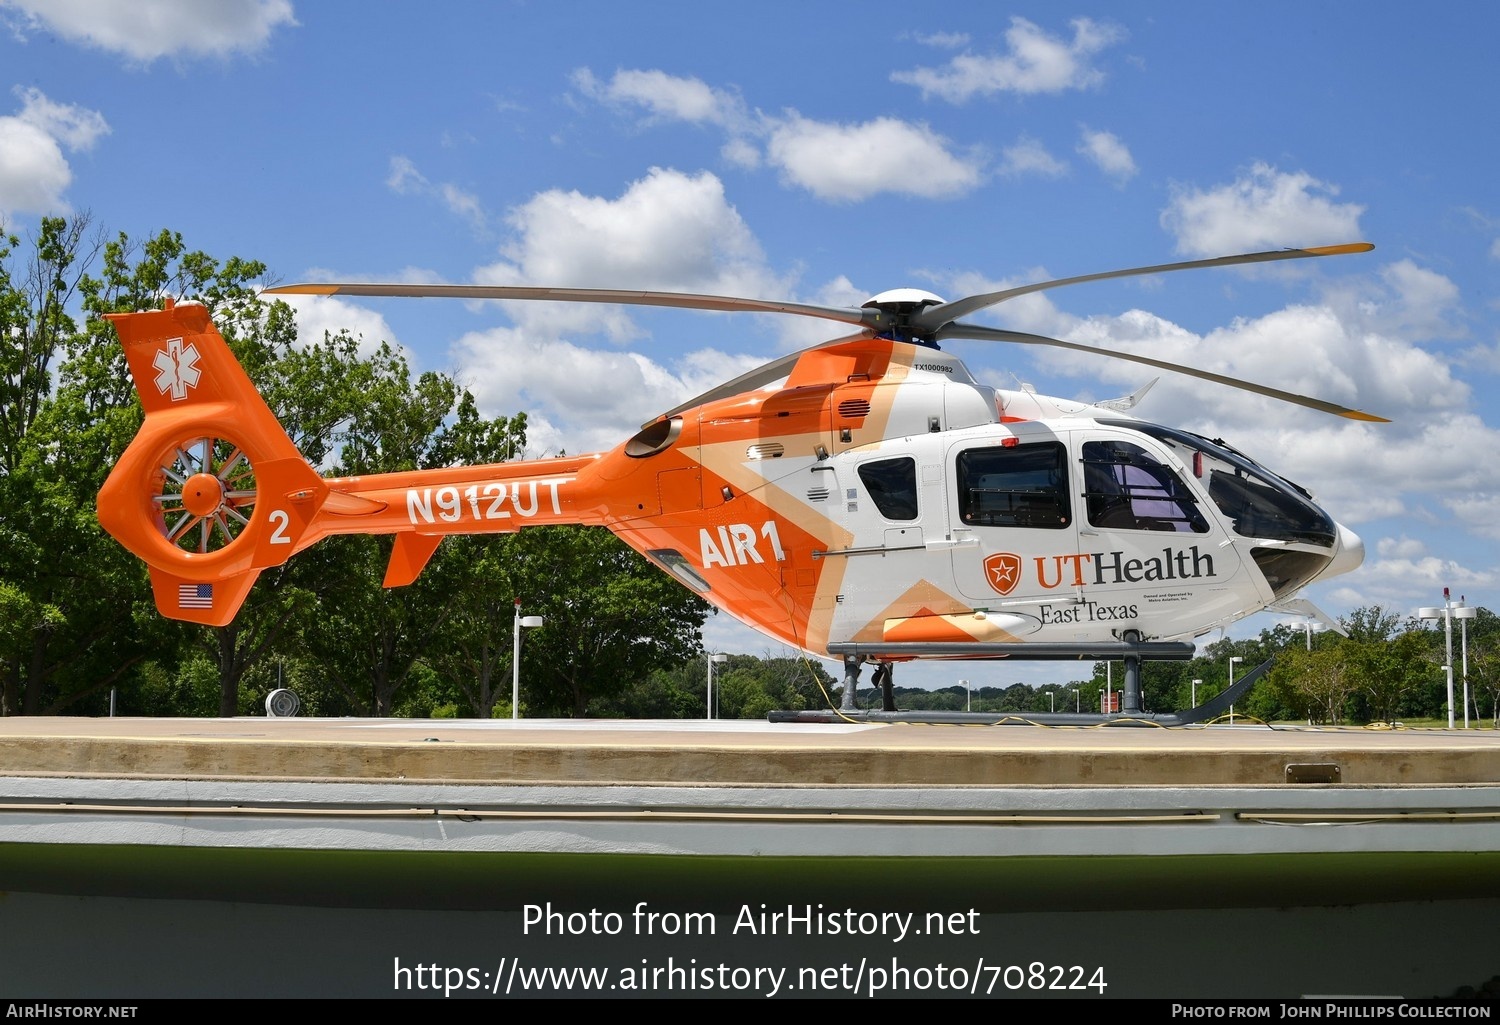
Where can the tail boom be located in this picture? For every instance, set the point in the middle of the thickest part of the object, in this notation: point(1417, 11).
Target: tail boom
point(211, 490)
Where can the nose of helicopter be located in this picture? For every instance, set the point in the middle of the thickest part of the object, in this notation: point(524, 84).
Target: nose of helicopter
point(1348, 554)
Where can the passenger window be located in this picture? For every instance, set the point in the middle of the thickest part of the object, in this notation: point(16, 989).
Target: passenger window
point(1025, 486)
point(1127, 488)
point(892, 484)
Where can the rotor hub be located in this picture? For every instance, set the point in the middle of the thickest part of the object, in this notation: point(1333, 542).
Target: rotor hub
point(202, 494)
point(898, 306)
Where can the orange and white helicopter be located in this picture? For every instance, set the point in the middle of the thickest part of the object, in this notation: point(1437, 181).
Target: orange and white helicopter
point(864, 498)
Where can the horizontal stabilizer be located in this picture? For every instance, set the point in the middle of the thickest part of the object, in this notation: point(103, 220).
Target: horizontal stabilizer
point(409, 557)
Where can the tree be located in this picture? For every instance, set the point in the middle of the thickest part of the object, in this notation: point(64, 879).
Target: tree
point(76, 602)
point(1319, 682)
point(1484, 661)
point(611, 618)
point(370, 639)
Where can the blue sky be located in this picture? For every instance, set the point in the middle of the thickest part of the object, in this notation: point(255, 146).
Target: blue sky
point(827, 151)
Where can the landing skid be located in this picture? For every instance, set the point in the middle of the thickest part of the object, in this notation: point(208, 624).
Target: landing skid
point(1131, 652)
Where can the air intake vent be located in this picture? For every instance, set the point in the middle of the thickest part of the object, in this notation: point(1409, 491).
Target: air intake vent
point(817, 494)
point(767, 450)
point(853, 409)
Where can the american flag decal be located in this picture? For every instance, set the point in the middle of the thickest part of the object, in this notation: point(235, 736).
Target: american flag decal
point(195, 596)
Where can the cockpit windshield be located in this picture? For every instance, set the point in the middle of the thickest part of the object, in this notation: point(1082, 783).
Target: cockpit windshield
point(1257, 502)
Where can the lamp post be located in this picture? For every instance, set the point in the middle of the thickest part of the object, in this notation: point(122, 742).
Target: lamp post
point(1311, 628)
point(712, 657)
point(968, 696)
point(1463, 613)
point(1195, 693)
point(1052, 696)
point(515, 659)
point(1445, 613)
point(1109, 687)
point(1232, 660)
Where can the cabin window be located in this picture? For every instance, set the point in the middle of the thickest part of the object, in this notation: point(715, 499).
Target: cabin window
point(892, 484)
point(1127, 488)
point(1024, 486)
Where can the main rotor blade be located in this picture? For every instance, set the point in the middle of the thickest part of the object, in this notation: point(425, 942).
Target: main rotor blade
point(992, 334)
point(932, 319)
point(757, 378)
point(622, 297)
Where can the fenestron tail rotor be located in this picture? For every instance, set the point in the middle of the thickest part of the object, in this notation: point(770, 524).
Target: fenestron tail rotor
point(206, 494)
point(889, 315)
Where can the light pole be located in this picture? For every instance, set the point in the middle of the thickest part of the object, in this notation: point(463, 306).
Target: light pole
point(1077, 701)
point(712, 657)
point(1445, 613)
point(1052, 696)
point(1232, 660)
point(1109, 687)
point(968, 696)
point(1311, 628)
point(1463, 613)
point(1195, 693)
point(515, 659)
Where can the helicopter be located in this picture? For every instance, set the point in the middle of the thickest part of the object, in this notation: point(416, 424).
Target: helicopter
point(864, 499)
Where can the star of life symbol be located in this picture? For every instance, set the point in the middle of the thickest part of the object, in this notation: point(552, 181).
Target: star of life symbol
point(1003, 571)
point(176, 368)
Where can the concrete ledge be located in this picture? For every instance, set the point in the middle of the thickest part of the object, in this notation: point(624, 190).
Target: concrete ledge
point(735, 754)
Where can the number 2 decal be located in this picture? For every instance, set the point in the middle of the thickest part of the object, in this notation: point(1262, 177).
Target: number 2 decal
point(280, 519)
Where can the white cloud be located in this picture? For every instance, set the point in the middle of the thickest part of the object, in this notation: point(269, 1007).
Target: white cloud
point(741, 153)
point(1478, 512)
point(944, 40)
point(405, 179)
point(1428, 574)
point(1424, 299)
point(34, 173)
point(1029, 157)
point(578, 399)
point(845, 163)
point(1402, 547)
point(318, 315)
point(77, 128)
point(1108, 154)
point(463, 203)
point(666, 96)
point(1263, 209)
point(1485, 357)
point(145, 30)
point(836, 162)
point(667, 232)
point(1035, 62)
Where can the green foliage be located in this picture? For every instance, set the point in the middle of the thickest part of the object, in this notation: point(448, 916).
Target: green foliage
point(610, 617)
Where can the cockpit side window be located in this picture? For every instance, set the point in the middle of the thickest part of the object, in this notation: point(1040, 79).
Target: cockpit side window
point(892, 484)
point(1257, 503)
point(1024, 486)
point(1127, 488)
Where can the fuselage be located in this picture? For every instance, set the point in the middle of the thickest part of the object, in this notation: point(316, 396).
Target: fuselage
point(883, 495)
